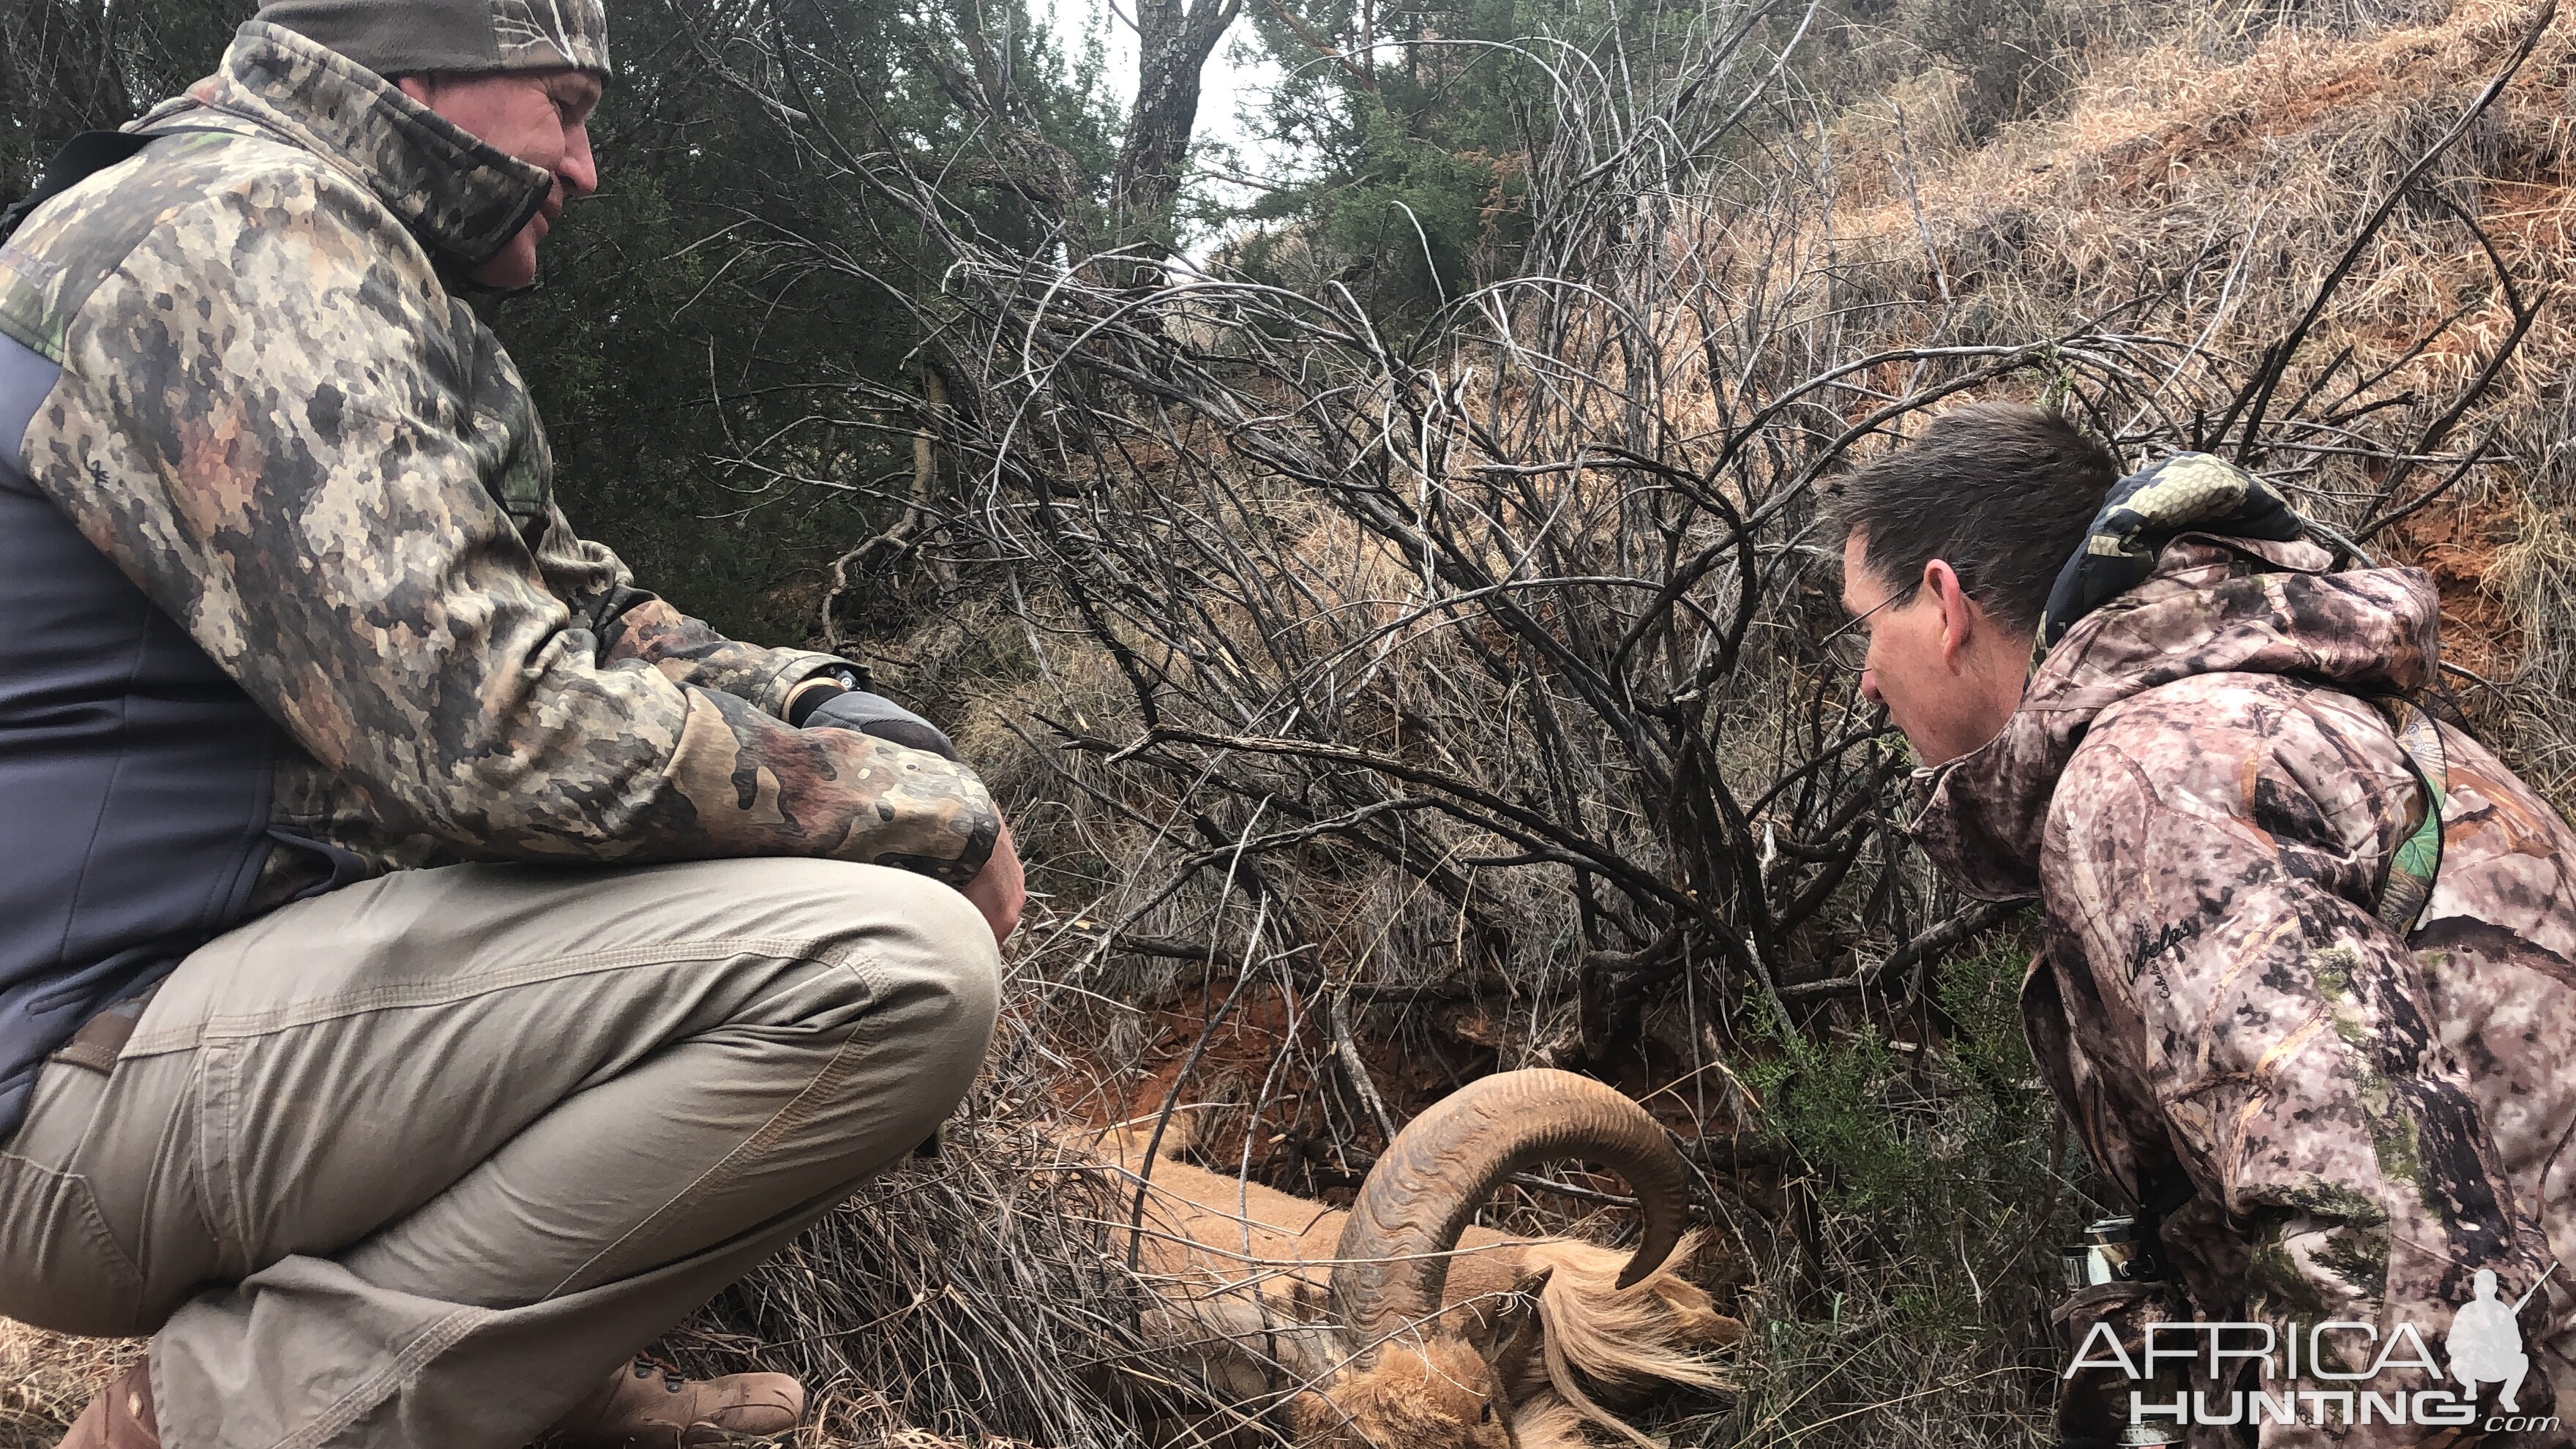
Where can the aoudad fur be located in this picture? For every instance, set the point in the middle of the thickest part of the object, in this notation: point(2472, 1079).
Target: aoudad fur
point(1532, 1348)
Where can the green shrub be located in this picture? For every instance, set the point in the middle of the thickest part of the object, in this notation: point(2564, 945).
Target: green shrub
point(1931, 1186)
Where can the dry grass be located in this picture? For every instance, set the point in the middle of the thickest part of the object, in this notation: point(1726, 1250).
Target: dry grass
point(974, 1294)
point(2221, 172)
point(45, 1378)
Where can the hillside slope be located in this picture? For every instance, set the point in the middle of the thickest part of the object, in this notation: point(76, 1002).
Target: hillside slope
point(2214, 199)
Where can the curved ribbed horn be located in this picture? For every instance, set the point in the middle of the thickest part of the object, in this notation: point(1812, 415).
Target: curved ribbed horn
point(1393, 1260)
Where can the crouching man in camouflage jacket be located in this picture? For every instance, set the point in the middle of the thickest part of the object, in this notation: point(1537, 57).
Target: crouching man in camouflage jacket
point(429, 965)
point(2307, 986)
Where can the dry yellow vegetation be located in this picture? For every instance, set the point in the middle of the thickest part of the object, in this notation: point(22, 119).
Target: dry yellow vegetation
point(2234, 187)
point(45, 1378)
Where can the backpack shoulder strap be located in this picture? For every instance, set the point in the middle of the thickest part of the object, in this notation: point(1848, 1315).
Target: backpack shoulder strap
point(2419, 857)
point(84, 156)
point(81, 157)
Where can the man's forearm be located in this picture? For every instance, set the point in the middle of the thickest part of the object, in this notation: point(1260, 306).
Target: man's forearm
point(632, 623)
point(353, 573)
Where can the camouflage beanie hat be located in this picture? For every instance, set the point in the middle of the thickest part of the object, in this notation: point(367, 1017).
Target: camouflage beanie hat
point(413, 37)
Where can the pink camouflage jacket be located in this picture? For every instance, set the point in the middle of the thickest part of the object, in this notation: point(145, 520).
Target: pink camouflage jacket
point(2199, 794)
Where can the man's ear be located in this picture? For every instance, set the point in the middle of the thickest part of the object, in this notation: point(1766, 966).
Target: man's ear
point(1960, 615)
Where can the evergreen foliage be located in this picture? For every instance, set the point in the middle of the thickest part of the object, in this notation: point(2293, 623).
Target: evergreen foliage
point(1943, 1187)
point(671, 330)
point(1416, 126)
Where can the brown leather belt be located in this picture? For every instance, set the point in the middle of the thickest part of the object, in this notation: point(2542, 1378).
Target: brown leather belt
point(102, 1038)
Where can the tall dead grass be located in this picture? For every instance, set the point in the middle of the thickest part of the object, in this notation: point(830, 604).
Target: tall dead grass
point(45, 1378)
point(2227, 187)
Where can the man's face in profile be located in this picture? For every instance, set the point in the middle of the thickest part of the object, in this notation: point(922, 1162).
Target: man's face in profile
point(1945, 670)
point(540, 117)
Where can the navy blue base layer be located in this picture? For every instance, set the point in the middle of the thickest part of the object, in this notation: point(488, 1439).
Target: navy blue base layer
point(134, 774)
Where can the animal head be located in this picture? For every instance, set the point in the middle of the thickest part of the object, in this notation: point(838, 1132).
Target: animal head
point(1437, 1394)
point(1414, 1377)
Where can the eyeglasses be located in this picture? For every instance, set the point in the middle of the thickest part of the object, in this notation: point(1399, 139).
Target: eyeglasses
point(1847, 647)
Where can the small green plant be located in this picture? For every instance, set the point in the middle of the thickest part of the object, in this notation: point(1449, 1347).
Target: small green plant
point(1826, 1098)
point(1981, 995)
point(1935, 1170)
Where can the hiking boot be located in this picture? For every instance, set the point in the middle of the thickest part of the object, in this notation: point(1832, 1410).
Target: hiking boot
point(121, 1417)
point(648, 1405)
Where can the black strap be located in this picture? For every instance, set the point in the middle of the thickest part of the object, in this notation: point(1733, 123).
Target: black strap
point(82, 157)
point(2163, 1194)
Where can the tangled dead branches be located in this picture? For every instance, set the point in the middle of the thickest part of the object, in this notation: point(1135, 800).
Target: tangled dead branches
point(1482, 686)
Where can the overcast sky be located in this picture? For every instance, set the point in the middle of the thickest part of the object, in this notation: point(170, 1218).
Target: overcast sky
point(1226, 86)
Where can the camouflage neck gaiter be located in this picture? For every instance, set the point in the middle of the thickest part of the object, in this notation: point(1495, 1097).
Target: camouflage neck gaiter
point(2186, 493)
point(415, 37)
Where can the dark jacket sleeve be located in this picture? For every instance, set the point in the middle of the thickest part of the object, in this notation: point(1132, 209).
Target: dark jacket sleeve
point(273, 419)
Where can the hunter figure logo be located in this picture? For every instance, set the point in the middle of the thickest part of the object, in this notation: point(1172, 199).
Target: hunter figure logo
point(2313, 1374)
point(2486, 1343)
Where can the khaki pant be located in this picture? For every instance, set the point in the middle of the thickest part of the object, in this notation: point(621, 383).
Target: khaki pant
point(418, 1162)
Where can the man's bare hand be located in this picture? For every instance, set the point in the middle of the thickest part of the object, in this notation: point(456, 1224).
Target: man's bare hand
point(1000, 890)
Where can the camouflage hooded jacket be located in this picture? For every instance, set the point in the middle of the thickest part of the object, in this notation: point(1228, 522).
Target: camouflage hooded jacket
point(234, 383)
point(2199, 794)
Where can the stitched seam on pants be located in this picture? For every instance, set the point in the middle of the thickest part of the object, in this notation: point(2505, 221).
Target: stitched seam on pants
point(219, 1184)
point(786, 1118)
point(350, 1407)
point(447, 991)
point(86, 1222)
point(172, 1159)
